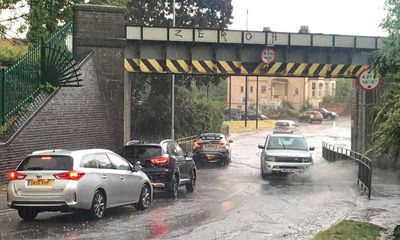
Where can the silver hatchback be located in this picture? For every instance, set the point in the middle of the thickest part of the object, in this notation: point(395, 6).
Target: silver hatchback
point(61, 180)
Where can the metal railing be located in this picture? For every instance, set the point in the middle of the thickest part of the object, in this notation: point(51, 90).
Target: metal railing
point(186, 143)
point(364, 178)
point(22, 81)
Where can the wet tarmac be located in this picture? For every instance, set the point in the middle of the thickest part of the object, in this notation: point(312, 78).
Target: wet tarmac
point(234, 202)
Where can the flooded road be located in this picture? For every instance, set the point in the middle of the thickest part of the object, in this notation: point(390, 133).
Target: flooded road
point(230, 202)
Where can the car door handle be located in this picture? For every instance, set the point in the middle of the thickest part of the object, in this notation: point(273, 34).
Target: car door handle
point(104, 177)
point(122, 178)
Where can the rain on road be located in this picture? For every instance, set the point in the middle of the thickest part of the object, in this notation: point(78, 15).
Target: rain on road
point(229, 203)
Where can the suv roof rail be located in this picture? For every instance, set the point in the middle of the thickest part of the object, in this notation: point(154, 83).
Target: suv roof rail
point(48, 151)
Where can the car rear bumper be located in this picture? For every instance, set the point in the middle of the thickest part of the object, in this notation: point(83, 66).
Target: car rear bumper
point(210, 157)
point(160, 179)
point(285, 167)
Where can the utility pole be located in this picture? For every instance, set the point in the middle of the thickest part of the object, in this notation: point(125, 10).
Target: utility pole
point(173, 85)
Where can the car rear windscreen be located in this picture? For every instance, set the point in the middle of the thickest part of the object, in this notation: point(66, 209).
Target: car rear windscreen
point(281, 124)
point(38, 163)
point(140, 153)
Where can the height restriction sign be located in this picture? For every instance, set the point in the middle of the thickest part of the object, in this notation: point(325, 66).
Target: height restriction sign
point(368, 82)
point(267, 55)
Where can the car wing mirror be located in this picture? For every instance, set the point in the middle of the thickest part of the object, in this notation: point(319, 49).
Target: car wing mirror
point(312, 148)
point(261, 146)
point(230, 141)
point(137, 167)
point(189, 154)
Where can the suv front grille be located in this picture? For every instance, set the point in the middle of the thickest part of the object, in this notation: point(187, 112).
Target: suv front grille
point(288, 159)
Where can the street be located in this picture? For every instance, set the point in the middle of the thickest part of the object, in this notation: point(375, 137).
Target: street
point(229, 202)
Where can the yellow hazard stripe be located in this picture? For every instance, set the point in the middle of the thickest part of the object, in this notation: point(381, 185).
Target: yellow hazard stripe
point(171, 67)
point(156, 65)
point(198, 67)
point(337, 69)
point(211, 65)
point(227, 68)
point(274, 68)
point(184, 65)
point(313, 68)
point(143, 67)
point(300, 69)
point(127, 66)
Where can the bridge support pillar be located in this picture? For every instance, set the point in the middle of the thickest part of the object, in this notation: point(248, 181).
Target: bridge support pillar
point(101, 30)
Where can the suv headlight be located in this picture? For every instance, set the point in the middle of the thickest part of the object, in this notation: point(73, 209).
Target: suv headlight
point(270, 158)
point(306, 160)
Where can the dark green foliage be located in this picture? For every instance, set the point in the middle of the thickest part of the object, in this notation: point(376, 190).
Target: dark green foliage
point(344, 90)
point(192, 116)
point(307, 106)
point(387, 64)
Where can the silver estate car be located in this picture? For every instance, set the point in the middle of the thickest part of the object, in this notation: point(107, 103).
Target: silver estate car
point(61, 180)
point(285, 153)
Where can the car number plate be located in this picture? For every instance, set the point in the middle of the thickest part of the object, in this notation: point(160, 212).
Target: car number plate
point(210, 147)
point(288, 170)
point(41, 182)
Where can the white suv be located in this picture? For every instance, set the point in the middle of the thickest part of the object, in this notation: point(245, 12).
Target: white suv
point(61, 180)
point(285, 153)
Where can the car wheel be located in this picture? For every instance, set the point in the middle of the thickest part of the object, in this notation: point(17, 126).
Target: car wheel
point(145, 198)
point(28, 214)
point(98, 205)
point(173, 187)
point(192, 184)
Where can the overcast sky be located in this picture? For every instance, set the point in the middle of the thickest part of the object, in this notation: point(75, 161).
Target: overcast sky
point(349, 17)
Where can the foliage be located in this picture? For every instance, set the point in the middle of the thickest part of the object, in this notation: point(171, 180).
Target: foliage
point(10, 52)
point(350, 230)
point(329, 99)
point(192, 116)
point(387, 64)
point(286, 110)
point(344, 90)
point(307, 106)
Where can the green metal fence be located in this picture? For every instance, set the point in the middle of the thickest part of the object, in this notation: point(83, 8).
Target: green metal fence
point(22, 81)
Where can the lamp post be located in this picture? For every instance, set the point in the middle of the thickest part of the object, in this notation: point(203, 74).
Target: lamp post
point(173, 84)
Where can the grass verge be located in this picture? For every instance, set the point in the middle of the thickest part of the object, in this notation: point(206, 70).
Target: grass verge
point(350, 230)
point(238, 126)
point(3, 186)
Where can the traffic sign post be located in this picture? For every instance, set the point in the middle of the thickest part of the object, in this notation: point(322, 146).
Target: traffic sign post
point(368, 82)
point(268, 55)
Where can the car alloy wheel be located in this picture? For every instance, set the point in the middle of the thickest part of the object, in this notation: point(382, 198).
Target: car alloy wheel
point(192, 184)
point(145, 198)
point(98, 205)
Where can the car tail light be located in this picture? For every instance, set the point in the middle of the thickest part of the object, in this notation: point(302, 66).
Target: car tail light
point(14, 175)
point(70, 175)
point(222, 144)
point(159, 161)
point(197, 144)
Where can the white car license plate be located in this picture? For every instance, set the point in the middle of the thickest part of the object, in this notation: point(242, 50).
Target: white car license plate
point(288, 170)
point(210, 147)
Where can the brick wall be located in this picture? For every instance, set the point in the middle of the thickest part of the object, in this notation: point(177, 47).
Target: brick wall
point(90, 116)
point(75, 118)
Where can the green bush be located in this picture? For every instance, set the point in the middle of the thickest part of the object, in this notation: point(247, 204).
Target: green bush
point(10, 53)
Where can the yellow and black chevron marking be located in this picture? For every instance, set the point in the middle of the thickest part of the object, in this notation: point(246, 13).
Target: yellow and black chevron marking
point(243, 68)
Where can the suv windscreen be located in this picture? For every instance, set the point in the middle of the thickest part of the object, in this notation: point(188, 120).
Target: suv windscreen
point(53, 163)
point(141, 153)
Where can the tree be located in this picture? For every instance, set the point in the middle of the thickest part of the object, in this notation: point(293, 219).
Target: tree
point(387, 65)
point(45, 16)
point(12, 15)
point(157, 102)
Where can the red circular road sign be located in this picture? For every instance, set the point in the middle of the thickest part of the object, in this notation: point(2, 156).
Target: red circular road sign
point(368, 82)
point(267, 55)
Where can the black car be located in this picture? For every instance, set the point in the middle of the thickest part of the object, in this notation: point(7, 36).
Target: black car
point(211, 148)
point(328, 115)
point(165, 164)
point(254, 116)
